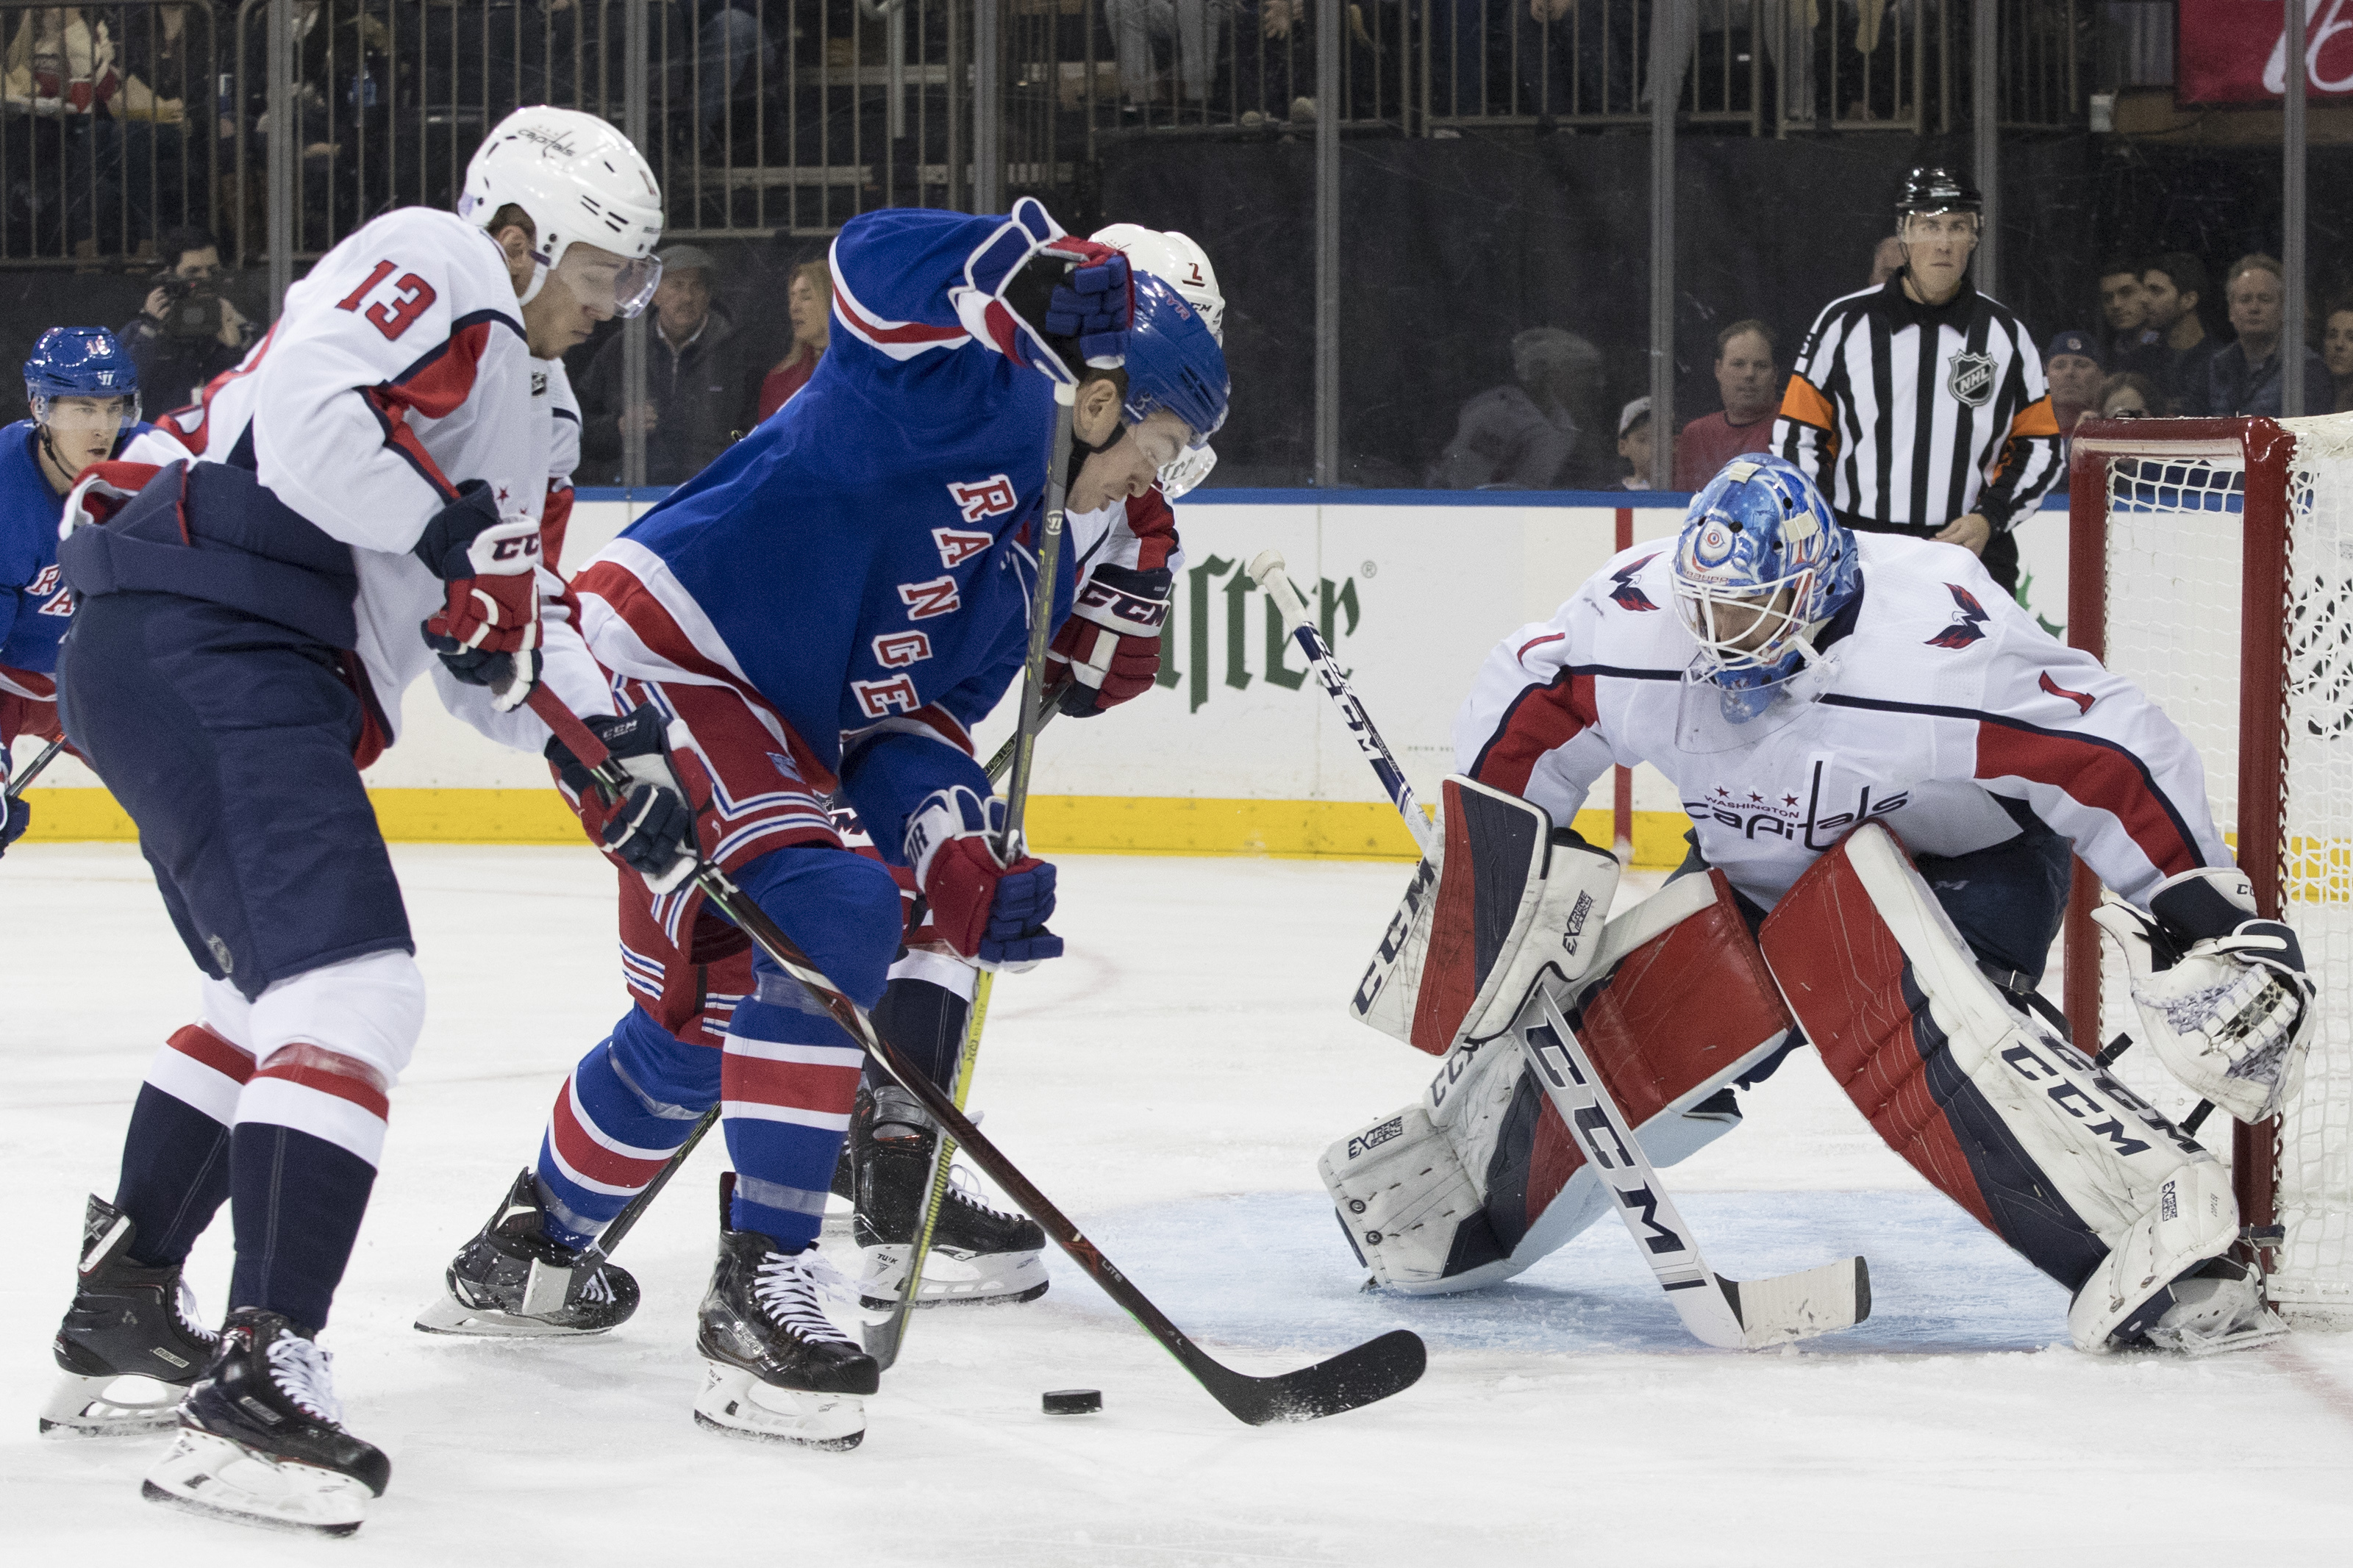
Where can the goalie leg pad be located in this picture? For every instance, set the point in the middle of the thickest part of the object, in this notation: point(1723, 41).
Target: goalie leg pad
point(1494, 898)
point(2067, 1166)
point(1482, 1180)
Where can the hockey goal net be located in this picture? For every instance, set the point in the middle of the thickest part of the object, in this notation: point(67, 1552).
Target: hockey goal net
point(2211, 561)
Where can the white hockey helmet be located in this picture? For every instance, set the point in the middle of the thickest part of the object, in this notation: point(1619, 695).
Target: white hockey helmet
point(581, 180)
point(1168, 255)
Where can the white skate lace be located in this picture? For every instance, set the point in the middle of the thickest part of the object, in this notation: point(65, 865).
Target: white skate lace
point(789, 1288)
point(967, 1187)
point(301, 1370)
point(183, 1307)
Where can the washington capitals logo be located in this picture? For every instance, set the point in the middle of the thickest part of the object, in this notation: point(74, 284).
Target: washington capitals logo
point(1969, 620)
point(1627, 595)
point(2081, 700)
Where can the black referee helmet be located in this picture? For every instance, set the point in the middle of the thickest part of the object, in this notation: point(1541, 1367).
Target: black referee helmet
point(1934, 189)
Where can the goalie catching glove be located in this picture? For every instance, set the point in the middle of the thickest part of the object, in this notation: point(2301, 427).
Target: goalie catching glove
point(652, 828)
point(1111, 641)
point(2222, 994)
point(991, 911)
point(487, 632)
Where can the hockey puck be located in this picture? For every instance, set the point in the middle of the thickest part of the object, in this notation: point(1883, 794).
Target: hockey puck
point(1072, 1401)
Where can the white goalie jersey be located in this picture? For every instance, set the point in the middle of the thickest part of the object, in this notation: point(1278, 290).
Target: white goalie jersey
point(1939, 707)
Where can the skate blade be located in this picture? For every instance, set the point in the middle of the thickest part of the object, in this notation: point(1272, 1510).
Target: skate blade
point(1001, 1279)
point(738, 1404)
point(97, 1407)
point(450, 1316)
point(2269, 1330)
point(210, 1475)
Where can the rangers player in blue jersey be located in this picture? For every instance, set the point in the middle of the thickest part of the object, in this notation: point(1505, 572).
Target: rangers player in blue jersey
point(364, 506)
point(84, 393)
point(828, 610)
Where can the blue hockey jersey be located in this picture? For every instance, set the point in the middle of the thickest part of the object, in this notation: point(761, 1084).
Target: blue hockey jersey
point(36, 607)
point(862, 562)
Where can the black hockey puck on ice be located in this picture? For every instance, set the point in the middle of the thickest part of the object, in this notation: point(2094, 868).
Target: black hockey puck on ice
point(1072, 1401)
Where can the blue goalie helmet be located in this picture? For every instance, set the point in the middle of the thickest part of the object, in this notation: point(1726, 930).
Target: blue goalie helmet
point(1761, 560)
point(81, 361)
point(1173, 363)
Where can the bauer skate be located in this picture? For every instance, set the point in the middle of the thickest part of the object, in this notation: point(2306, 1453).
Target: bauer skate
point(979, 1253)
point(261, 1438)
point(515, 1281)
point(775, 1367)
point(130, 1343)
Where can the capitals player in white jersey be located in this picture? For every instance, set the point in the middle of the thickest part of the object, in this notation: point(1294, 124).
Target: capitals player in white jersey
point(365, 505)
point(1884, 760)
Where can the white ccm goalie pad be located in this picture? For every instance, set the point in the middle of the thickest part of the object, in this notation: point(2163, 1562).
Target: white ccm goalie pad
point(1488, 906)
point(1479, 1178)
point(2048, 1151)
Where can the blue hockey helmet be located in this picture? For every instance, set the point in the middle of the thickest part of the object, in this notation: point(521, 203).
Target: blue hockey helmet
point(1173, 363)
point(1760, 562)
point(81, 361)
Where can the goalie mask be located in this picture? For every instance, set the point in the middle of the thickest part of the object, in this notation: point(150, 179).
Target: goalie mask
point(1760, 562)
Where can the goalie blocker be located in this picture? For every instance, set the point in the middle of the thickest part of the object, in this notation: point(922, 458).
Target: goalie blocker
point(1479, 1178)
point(2049, 1153)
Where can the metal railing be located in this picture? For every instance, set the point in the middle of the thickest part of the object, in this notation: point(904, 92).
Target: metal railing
point(106, 135)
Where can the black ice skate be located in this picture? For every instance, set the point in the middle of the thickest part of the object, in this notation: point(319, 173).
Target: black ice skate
point(129, 1322)
point(261, 1438)
point(515, 1281)
point(776, 1367)
point(979, 1253)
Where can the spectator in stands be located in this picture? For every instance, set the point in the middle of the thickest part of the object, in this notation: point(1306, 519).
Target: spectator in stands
point(187, 332)
point(809, 302)
point(2337, 353)
point(2070, 363)
point(1528, 435)
point(1192, 29)
point(2132, 343)
point(2246, 377)
point(1887, 260)
point(2129, 395)
point(701, 384)
point(2173, 287)
point(1749, 379)
point(1634, 446)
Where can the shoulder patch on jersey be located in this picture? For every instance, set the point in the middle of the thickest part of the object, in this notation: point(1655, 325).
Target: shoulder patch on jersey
point(1969, 620)
point(1627, 596)
point(958, 546)
point(991, 497)
point(2081, 700)
point(897, 651)
point(924, 600)
point(1971, 380)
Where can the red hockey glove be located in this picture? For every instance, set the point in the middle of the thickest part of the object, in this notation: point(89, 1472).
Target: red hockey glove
point(1111, 641)
point(487, 633)
point(989, 911)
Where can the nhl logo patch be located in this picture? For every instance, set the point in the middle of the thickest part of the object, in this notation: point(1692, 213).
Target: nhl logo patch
point(1972, 379)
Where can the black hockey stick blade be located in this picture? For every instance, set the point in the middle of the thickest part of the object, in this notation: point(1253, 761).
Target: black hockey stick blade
point(1369, 1372)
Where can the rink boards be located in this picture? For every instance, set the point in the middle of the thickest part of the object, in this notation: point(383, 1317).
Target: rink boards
point(1236, 752)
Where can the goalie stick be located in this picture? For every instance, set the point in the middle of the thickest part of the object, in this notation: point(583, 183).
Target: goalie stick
point(1719, 1311)
point(1369, 1372)
point(883, 1339)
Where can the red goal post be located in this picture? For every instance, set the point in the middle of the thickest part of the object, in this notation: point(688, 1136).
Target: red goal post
point(2211, 561)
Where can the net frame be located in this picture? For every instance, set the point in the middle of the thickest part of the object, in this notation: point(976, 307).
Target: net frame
point(2265, 452)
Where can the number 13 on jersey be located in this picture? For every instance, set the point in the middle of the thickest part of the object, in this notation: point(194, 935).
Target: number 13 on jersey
point(393, 313)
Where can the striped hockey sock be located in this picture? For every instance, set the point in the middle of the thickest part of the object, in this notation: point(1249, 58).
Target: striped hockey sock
point(621, 1113)
point(175, 1157)
point(302, 1158)
point(788, 1084)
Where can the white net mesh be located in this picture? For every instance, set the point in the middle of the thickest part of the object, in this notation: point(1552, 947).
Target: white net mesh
point(2175, 555)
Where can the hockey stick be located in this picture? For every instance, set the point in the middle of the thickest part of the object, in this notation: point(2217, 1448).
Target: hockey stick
point(1374, 1369)
point(883, 1339)
point(1732, 1315)
point(24, 780)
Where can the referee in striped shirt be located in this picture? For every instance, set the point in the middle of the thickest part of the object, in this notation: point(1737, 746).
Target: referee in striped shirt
point(1919, 406)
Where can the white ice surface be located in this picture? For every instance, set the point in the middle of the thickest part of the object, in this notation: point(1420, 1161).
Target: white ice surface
point(1171, 1083)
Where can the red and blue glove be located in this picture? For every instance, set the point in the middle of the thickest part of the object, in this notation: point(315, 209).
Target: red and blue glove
point(1111, 641)
point(1096, 300)
point(991, 912)
point(487, 632)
